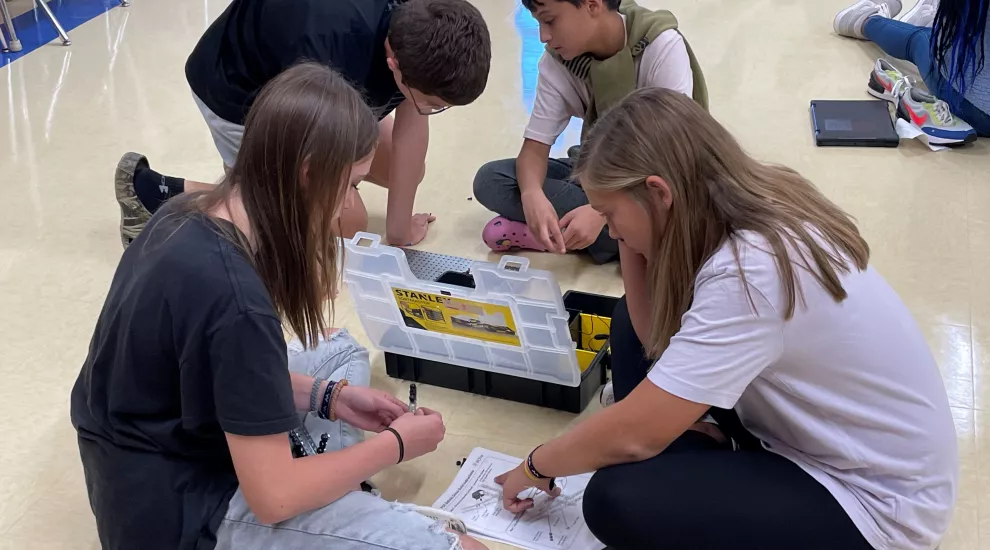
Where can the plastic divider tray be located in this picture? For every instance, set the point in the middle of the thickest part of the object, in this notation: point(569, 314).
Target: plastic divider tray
point(515, 388)
point(502, 330)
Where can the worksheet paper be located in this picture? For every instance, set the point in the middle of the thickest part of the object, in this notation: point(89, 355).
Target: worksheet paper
point(552, 524)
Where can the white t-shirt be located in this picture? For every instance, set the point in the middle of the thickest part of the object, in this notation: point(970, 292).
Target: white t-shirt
point(849, 391)
point(560, 95)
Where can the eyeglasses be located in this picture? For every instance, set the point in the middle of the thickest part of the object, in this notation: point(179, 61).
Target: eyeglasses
point(425, 112)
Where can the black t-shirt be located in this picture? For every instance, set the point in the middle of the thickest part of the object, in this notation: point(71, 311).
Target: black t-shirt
point(255, 40)
point(188, 346)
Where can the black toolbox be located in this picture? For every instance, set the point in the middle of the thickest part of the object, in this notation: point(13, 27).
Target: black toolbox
point(595, 308)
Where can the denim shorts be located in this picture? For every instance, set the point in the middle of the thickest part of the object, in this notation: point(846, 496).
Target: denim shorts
point(359, 520)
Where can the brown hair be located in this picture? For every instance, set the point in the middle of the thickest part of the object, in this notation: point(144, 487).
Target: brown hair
point(302, 134)
point(717, 190)
point(442, 47)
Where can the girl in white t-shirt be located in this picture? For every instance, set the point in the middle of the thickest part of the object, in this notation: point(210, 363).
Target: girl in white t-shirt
point(755, 300)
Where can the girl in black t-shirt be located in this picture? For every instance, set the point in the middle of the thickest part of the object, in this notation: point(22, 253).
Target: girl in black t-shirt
point(188, 394)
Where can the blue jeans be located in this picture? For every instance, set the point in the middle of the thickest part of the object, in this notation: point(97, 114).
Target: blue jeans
point(912, 43)
point(359, 520)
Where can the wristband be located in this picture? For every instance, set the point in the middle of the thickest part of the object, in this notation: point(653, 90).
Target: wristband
point(337, 388)
point(402, 447)
point(529, 474)
point(534, 475)
point(324, 411)
point(531, 470)
point(314, 395)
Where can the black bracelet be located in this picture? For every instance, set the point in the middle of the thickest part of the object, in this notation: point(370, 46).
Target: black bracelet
point(402, 447)
point(324, 411)
point(314, 393)
point(532, 469)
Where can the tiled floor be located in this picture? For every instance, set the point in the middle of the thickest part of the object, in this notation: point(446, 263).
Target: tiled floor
point(70, 113)
point(18, 7)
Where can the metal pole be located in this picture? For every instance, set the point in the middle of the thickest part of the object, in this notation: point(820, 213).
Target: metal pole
point(58, 26)
point(15, 44)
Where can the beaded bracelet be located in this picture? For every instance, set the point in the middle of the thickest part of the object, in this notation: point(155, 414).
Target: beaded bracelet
point(324, 411)
point(337, 388)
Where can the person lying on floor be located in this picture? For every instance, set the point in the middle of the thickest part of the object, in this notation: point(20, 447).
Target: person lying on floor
point(597, 52)
point(415, 57)
point(949, 57)
point(184, 404)
point(756, 303)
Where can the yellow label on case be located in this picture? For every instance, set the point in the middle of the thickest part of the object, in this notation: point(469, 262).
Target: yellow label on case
point(457, 316)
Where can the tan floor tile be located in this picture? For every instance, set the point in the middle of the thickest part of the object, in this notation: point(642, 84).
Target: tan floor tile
point(422, 481)
point(58, 520)
point(982, 433)
point(39, 448)
point(69, 113)
point(964, 532)
point(953, 350)
point(981, 366)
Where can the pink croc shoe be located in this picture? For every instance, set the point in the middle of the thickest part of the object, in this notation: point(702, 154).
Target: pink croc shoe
point(502, 235)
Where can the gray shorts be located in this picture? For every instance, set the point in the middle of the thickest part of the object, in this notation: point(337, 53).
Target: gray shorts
point(359, 520)
point(226, 135)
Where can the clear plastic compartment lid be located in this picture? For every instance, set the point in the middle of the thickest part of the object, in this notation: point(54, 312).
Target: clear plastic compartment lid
point(512, 322)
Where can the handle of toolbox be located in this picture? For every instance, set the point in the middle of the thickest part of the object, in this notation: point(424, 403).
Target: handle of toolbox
point(515, 264)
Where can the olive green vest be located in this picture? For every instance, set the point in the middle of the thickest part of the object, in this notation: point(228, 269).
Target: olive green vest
point(614, 78)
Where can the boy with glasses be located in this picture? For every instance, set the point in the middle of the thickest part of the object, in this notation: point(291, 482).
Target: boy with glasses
point(387, 49)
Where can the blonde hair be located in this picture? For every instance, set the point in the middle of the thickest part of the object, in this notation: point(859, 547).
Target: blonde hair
point(717, 191)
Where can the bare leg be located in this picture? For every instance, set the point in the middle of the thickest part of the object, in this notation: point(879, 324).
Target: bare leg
point(189, 186)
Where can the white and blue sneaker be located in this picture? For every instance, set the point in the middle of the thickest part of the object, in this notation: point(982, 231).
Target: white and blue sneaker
point(932, 116)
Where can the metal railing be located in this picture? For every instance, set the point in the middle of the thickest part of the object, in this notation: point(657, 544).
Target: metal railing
point(14, 45)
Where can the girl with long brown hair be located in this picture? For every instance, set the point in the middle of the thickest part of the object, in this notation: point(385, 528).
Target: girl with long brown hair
point(750, 298)
point(186, 400)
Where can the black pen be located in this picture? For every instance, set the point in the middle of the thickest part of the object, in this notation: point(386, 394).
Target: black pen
point(412, 398)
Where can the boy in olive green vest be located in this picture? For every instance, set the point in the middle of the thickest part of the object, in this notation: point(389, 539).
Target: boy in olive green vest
point(598, 51)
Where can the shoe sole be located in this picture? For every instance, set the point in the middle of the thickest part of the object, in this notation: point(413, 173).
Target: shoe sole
point(133, 215)
point(881, 95)
point(949, 142)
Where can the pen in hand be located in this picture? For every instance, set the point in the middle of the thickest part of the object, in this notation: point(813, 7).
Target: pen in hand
point(412, 398)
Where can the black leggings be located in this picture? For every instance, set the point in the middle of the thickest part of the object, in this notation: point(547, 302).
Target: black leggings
point(699, 494)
